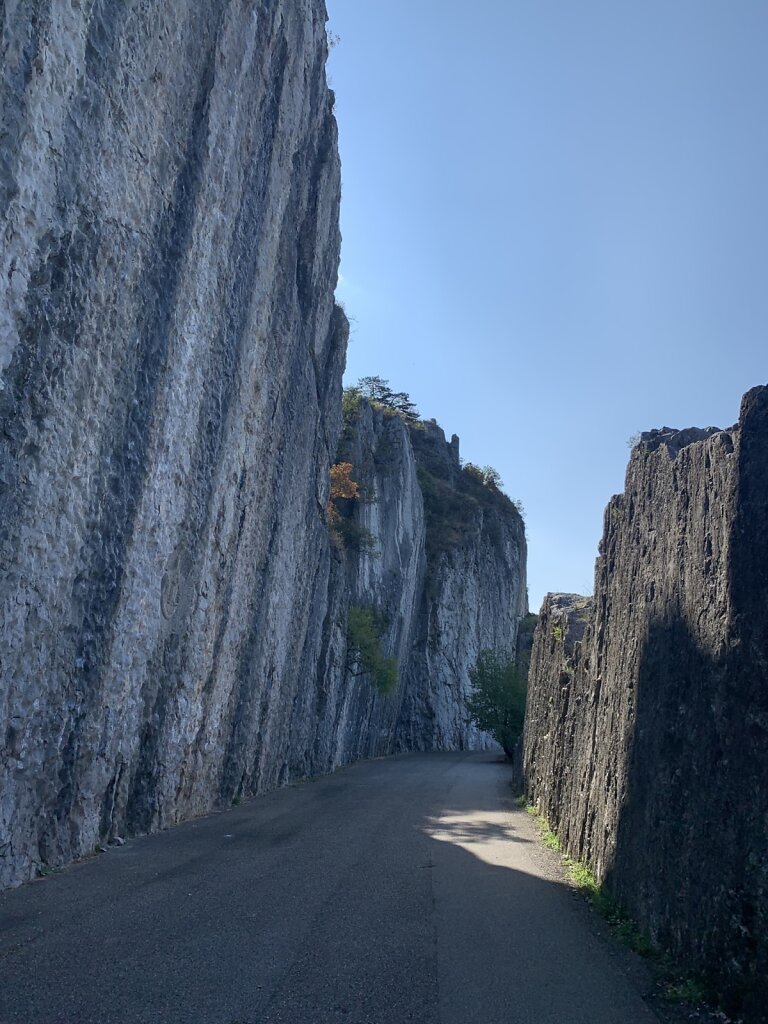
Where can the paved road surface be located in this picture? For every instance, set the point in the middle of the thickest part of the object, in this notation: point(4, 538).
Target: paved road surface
point(404, 889)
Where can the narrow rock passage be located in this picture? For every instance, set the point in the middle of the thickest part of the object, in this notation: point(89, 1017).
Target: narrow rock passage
point(405, 889)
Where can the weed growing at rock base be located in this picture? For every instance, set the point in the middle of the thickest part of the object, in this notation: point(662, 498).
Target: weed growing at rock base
point(549, 838)
point(44, 870)
point(588, 885)
point(675, 985)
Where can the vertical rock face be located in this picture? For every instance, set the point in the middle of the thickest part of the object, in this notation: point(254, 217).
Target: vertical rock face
point(441, 559)
point(378, 565)
point(646, 740)
point(174, 614)
point(473, 598)
point(171, 365)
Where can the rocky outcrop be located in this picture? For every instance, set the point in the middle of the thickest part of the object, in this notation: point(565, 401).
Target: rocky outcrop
point(175, 612)
point(378, 566)
point(473, 598)
point(440, 559)
point(171, 385)
point(646, 738)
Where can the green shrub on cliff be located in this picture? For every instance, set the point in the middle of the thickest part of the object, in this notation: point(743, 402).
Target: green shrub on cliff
point(486, 475)
point(496, 703)
point(365, 631)
point(454, 500)
point(350, 403)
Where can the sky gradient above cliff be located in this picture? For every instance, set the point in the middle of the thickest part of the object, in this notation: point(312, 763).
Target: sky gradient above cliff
point(555, 222)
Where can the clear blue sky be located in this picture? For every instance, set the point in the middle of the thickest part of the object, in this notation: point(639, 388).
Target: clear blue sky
point(555, 221)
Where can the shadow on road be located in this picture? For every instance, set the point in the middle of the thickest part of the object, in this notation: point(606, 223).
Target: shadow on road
point(413, 894)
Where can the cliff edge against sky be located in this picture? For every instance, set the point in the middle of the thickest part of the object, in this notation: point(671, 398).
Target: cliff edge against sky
point(176, 612)
point(647, 725)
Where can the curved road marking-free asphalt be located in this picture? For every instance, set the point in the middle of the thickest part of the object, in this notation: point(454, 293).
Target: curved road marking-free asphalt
point(404, 889)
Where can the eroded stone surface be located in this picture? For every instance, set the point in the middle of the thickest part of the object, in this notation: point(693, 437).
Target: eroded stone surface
point(646, 739)
point(174, 616)
point(170, 405)
point(441, 602)
point(474, 595)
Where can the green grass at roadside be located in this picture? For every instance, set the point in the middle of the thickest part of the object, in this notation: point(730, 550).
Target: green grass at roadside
point(677, 987)
point(588, 885)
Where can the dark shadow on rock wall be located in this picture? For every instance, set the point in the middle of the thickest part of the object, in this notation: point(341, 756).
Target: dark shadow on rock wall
point(690, 860)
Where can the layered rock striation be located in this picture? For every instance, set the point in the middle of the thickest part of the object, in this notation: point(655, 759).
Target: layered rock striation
point(175, 610)
point(473, 597)
point(171, 383)
point(439, 559)
point(646, 738)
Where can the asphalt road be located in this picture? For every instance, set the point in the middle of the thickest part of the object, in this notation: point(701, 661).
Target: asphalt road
point(404, 889)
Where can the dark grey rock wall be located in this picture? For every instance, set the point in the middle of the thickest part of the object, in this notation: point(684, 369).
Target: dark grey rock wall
point(171, 375)
point(646, 741)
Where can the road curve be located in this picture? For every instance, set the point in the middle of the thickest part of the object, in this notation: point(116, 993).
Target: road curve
point(403, 889)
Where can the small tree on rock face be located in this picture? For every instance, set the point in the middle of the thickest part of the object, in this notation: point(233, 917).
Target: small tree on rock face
point(487, 475)
point(350, 403)
point(497, 701)
point(401, 401)
point(375, 388)
point(365, 631)
point(345, 530)
point(342, 484)
point(492, 477)
point(378, 390)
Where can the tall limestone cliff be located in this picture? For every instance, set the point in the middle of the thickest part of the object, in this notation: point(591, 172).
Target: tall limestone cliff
point(444, 566)
point(170, 405)
point(439, 559)
point(175, 612)
point(646, 738)
point(473, 598)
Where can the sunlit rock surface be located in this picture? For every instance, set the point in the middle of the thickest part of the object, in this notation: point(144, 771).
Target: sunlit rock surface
point(171, 381)
point(174, 609)
point(474, 595)
point(646, 742)
point(444, 565)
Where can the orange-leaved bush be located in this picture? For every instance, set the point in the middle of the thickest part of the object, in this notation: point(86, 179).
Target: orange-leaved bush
point(342, 487)
point(342, 484)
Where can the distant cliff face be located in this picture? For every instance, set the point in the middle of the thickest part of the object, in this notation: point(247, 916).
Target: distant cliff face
point(377, 566)
point(175, 611)
point(441, 560)
point(646, 738)
point(171, 383)
point(473, 598)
